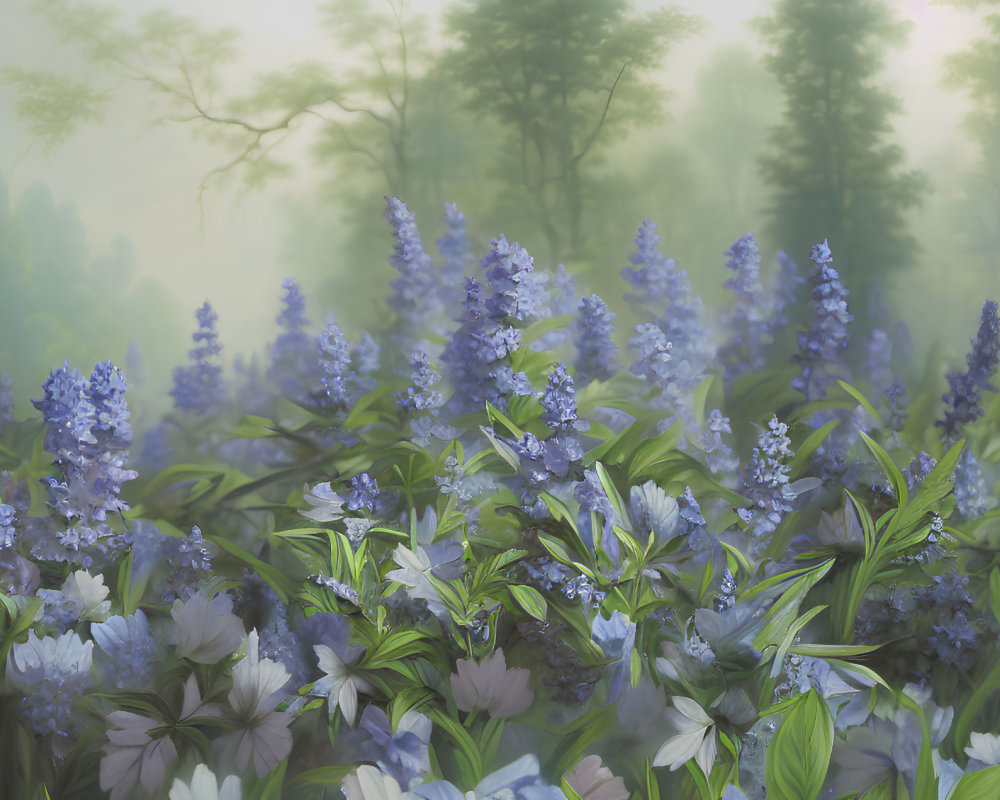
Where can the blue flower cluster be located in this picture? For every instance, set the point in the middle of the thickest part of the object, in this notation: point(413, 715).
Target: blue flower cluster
point(965, 387)
point(821, 346)
point(89, 434)
point(199, 387)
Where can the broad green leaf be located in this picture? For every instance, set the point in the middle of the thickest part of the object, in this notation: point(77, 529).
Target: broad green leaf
point(530, 600)
point(276, 579)
point(891, 471)
point(609, 489)
point(799, 754)
point(809, 446)
point(980, 785)
point(503, 450)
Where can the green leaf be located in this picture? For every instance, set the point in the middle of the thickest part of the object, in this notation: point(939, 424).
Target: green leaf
point(863, 401)
point(530, 600)
point(809, 446)
point(799, 754)
point(892, 472)
point(979, 785)
point(654, 450)
point(504, 451)
point(833, 650)
point(933, 489)
point(278, 580)
point(537, 330)
point(609, 489)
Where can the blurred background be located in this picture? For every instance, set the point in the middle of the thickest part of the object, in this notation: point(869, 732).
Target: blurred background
point(156, 155)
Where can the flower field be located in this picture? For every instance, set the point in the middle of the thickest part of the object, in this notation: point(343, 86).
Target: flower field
point(526, 544)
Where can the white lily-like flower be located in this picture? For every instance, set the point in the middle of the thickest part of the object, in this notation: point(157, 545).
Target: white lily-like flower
point(204, 786)
point(326, 504)
point(87, 593)
point(695, 738)
point(263, 733)
point(370, 783)
point(206, 630)
point(984, 748)
point(490, 685)
point(338, 685)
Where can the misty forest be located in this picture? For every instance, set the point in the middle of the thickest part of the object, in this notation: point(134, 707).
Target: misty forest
point(500, 399)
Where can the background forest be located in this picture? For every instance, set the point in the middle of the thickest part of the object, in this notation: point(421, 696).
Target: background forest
point(246, 141)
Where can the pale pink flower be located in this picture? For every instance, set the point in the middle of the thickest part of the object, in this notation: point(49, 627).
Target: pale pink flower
point(491, 686)
point(593, 782)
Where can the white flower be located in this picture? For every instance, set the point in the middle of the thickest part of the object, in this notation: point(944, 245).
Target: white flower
point(338, 683)
point(264, 733)
point(86, 593)
point(133, 757)
point(984, 748)
point(368, 783)
point(204, 787)
point(326, 504)
point(206, 630)
point(50, 660)
point(695, 738)
point(490, 685)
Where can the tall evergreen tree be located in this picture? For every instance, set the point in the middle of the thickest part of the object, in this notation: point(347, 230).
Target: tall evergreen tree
point(833, 168)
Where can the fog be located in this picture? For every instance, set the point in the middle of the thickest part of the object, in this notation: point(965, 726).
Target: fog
point(135, 173)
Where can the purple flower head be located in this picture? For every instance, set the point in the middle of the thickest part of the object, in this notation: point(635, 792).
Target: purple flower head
point(783, 291)
point(199, 387)
point(403, 754)
point(189, 564)
point(820, 347)
point(769, 489)
point(127, 651)
point(413, 290)
point(8, 533)
point(964, 395)
point(335, 366)
point(89, 433)
point(419, 396)
point(982, 360)
point(366, 354)
point(596, 357)
point(744, 350)
point(653, 362)
point(293, 354)
point(721, 458)
point(364, 490)
point(559, 400)
point(454, 250)
point(971, 495)
point(518, 293)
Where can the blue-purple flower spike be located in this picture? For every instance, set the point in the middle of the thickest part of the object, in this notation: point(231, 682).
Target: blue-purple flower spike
point(335, 365)
point(746, 321)
point(293, 355)
point(199, 387)
point(964, 387)
point(414, 289)
point(518, 292)
point(455, 255)
point(820, 347)
point(597, 355)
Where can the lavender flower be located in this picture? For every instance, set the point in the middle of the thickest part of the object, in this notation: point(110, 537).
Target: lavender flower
point(189, 564)
point(659, 282)
point(653, 362)
point(335, 365)
point(127, 650)
point(769, 487)
point(89, 433)
point(199, 387)
point(518, 293)
point(821, 346)
point(413, 290)
point(559, 401)
point(419, 396)
point(747, 317)
point(364, 489)
point(721, 458)
point(8, 533)
point(783, 292)
point(454, 250)
point(596, 354)
point(982, 360)
point(293, 360)
point(971, 494)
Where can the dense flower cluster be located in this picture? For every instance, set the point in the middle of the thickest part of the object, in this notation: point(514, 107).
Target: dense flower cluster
point(403, 581)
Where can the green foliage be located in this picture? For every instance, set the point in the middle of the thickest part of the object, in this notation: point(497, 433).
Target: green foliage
point(799, 754)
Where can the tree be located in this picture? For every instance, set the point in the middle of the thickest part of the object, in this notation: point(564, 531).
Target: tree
point(559, 76)
point(833, 170)
point(977, 70)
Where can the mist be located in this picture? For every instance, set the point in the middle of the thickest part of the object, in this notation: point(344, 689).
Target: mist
point(148, 219)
